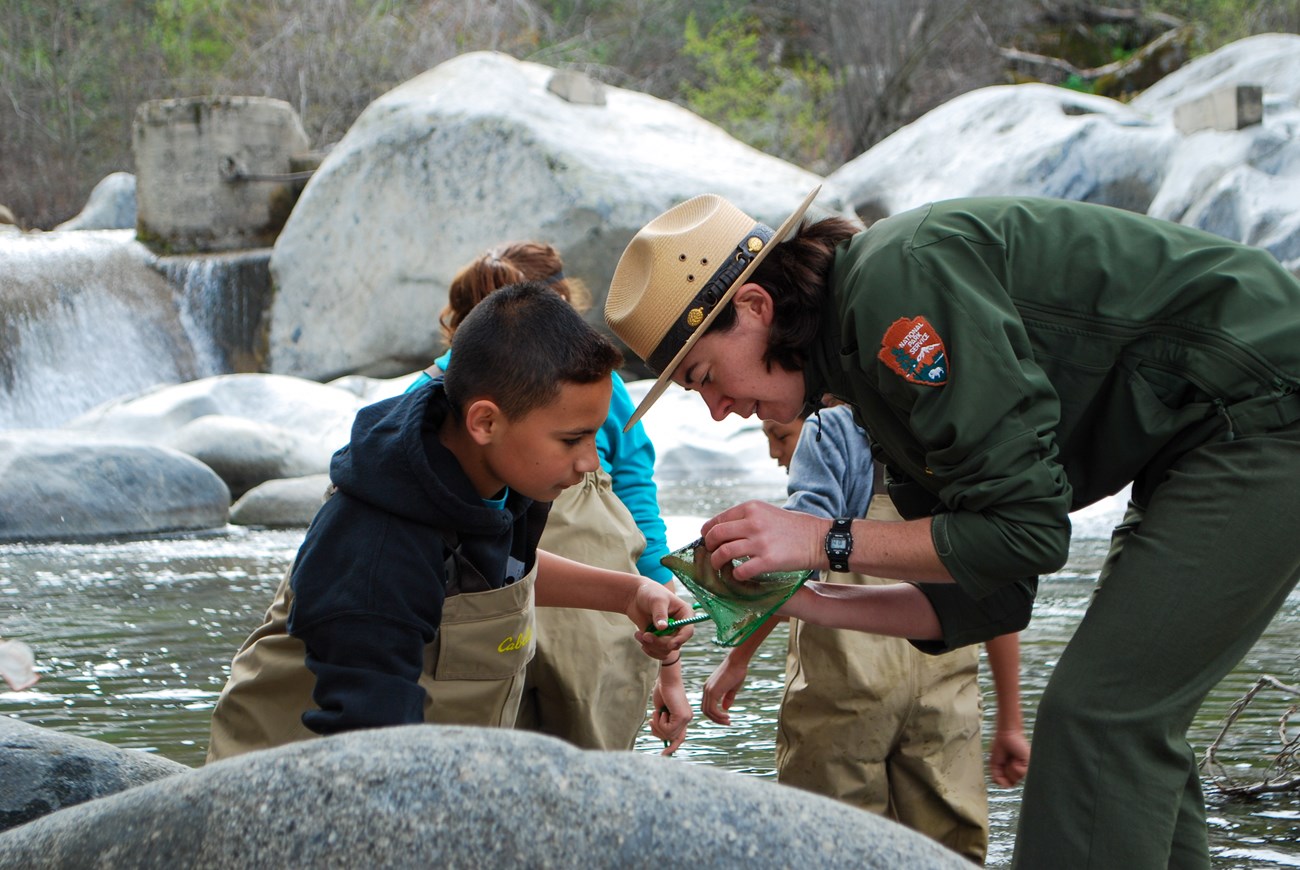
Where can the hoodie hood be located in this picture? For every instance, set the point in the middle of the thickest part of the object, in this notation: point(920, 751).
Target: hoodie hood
point(396, 463)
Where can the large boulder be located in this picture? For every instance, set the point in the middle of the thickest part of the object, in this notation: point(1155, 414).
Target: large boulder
point(246, 453)
point(1035, 140)
point(43, 770)
point(1243, 184)
point(428, 796)
point(310, 419)
point(476, 152)
point(57, 485)
point(1271, 60)
point(1013, 140)
point(111, 205)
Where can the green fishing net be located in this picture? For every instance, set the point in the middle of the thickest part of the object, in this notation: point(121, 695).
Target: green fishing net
point(737, 607)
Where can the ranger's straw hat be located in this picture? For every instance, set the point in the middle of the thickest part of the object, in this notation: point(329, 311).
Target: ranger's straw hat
point(678, 273)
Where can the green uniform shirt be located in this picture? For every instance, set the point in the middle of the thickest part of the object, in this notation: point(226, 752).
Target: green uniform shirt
point(1017, 359)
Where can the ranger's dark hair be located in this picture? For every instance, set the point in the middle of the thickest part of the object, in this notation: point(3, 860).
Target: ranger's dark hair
point(520, 345)
point(795, 275)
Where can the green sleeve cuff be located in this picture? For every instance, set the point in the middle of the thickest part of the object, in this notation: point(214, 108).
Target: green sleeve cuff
point(964, 620)
point(985, 551)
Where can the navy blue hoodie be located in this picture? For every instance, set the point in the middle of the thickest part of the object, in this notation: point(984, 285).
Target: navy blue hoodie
point(373, 571)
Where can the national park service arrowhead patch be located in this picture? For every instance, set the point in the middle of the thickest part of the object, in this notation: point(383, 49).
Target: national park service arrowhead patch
point(913, 349)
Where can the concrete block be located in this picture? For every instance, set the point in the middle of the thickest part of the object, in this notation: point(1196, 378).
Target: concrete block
point(1230, 108)
point(211, 172)
point(576, 88)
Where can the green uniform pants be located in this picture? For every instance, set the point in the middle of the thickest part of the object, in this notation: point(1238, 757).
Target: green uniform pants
point(1191, 581)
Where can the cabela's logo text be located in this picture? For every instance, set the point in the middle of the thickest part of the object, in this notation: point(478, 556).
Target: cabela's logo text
point(515, 642)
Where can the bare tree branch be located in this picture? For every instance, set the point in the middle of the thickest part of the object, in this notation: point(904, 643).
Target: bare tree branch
point(1283, 770)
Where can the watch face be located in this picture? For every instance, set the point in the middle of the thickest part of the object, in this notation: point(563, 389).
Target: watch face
point(838, 542)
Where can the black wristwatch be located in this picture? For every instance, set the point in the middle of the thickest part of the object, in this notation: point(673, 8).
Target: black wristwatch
point(839, 543)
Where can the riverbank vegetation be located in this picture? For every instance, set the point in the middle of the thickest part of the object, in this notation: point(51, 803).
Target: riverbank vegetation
point(813, 81)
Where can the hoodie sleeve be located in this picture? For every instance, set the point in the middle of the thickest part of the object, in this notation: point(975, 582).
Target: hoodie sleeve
point(368, 595)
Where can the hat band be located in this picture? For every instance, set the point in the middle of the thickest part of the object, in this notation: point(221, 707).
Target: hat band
point(714, 289)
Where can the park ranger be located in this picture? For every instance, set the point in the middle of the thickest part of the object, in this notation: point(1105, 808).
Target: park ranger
point(1015, 359)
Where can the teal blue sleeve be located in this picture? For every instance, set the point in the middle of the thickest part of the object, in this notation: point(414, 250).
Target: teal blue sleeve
point(419, 382)
point(629, 457)
point(441, 362)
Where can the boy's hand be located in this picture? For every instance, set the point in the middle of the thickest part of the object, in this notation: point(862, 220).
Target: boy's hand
point(721, 687)
point(1008, 758)
point(654, 605)
point(672, 710)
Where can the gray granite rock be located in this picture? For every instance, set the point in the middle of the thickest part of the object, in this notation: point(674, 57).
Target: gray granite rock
point(318, 416)
point(111, 205)
point(1035, 140)
point(281, 504)
point(246, 453)
point(428, 796)
point(57, 485)
point(471, 154)
point(1013, 140)
point(1242, 184)
point(42, 770)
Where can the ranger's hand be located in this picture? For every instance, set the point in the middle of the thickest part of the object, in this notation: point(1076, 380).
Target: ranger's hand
point(774, 539)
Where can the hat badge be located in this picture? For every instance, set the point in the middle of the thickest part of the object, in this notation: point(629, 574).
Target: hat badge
point(695, 317)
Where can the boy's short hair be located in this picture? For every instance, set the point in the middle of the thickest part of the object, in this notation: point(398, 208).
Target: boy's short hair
point(520, 345)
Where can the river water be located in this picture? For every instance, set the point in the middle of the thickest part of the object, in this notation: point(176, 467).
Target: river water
point(134, 639)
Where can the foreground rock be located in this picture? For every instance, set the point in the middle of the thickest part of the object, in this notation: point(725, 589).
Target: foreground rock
point(425, 796)
point(66, 486)
point(42, 770)
point(471, 154)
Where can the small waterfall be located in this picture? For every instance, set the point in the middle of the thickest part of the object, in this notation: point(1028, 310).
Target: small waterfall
point(90, 316)
point(223, 302)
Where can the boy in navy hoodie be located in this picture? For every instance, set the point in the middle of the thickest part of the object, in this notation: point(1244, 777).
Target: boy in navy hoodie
point(411, 598)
